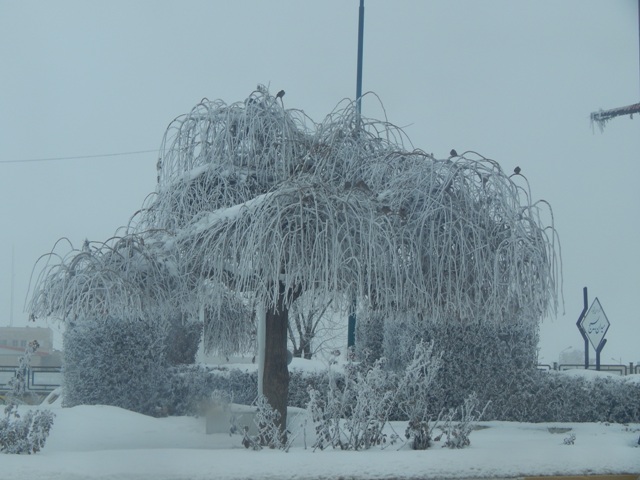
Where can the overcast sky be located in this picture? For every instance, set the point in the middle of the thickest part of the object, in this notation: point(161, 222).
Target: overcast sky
point(512, 80)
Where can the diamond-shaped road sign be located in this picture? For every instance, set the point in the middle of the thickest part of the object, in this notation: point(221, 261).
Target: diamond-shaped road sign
point(595, 324)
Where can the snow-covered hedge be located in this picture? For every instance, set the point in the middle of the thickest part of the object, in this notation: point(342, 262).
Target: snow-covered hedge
point(478, 357)
point(118, 364)
point(481, 358)
point(568, 397)
point(183, 339)
point(190, 386)
point(530, 396)
point(497, 362)
point(115, 362)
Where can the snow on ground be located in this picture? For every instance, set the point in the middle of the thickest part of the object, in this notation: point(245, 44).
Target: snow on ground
point(109, 443)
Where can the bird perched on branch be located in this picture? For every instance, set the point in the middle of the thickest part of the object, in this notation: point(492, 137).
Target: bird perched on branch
point(280, 94)
point(453, 153)
point(516, 170)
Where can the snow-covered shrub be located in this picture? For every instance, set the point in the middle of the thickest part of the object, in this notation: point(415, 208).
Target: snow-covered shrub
point(187, 390)
point(577, 399)
point(117, 362)
point(414, 394)
point(269, 434)
point(241, 384)
point(24, 433)
point(459, 423)
point(27, 432)
point(266, 420)
point(302, 381)
point(370, 407)
point(563, 397)
point(326, 419)
point(18, 383)
point(354, 414)
point(484, 358)
point(183, 339)
point(370, 336)
point(190, 384)
point(399, 338)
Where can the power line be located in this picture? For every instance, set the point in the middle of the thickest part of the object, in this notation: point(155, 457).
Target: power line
point(79, 157)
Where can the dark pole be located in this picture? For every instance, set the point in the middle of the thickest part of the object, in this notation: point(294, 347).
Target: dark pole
point(582, 332)
point(598, 350)
point(359, 68)
point(351, 327)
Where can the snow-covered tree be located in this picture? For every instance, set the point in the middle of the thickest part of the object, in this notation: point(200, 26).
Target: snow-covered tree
point(315, 327)
point(257, 203)
point(261, 202)
point(24, 432)
point(123, 322)
point(124, 277)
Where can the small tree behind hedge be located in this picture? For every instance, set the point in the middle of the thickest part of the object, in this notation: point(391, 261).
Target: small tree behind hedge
point(26, 432)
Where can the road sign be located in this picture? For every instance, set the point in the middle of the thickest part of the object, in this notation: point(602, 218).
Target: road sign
point(595, 324)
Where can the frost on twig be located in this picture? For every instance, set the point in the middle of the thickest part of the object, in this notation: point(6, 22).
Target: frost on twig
point(457, 432)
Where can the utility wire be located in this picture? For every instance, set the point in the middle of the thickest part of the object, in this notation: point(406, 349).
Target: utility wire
point(54, 159)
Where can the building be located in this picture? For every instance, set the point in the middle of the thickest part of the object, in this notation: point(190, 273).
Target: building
point(14, 341)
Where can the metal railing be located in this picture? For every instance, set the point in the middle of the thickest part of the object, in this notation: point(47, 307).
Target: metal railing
point(39, 379)
point(620, 369)
point(47, 379)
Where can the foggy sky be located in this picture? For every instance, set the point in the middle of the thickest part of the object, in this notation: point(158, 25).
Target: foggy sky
point(514, 81)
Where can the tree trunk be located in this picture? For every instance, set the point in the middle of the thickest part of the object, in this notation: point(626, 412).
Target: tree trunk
point(307, 349)
point(275, 382)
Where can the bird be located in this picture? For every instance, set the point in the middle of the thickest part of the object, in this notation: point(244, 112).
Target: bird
point(453, 153)
point(361, 185)
point(516, 170)
point(280, 94)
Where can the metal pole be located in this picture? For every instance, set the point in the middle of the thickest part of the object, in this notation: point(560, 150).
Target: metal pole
point(585, 308)
point(598, 350)
point(13, 281)
point(351, 327)
point(359, 68)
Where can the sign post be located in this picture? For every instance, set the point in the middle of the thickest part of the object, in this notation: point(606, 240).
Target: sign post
point(594, 325)
point(582, 332)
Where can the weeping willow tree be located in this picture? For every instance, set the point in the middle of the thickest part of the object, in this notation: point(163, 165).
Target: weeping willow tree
point(123, 323)
point(123, 277)
point(262, 202)
point(258, 204)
